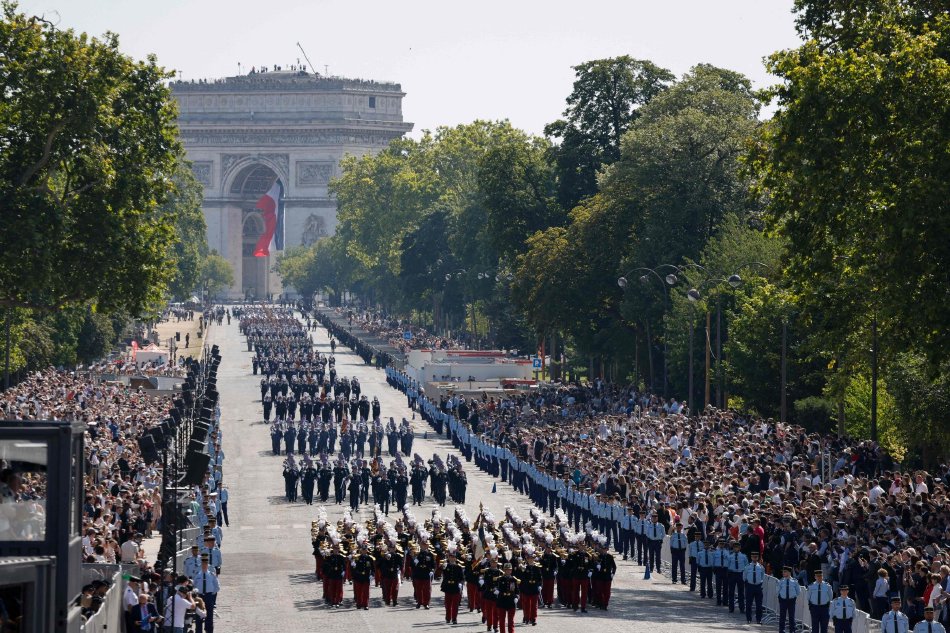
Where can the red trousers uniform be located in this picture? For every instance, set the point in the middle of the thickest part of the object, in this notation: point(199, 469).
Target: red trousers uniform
point(601, 590)
point(423, 591)
point(564, 590)
point(390, 589)
point(474, 596)
point(333, 588)
point(579, 590)
point(529, 606)
point(452, 601)
point(488, 612)
point(361, 593)
point(547, 591)
point(500, 614)
point(319, 566)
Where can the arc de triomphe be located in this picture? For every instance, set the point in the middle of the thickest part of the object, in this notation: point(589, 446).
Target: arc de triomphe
point(242, 132)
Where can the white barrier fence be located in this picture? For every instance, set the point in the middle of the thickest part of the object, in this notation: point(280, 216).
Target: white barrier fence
point(862, 623)
point(109, 615)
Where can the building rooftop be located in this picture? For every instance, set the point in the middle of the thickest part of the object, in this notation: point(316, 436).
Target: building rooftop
point(284, 80)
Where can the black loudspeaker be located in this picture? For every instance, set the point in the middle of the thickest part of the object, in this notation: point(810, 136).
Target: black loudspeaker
point(196, 466)
point(148, 449)
point(188, 397)
point(214, 349)
point(200, 432)
point(158, 437)
point(175, 413)
point(197, 446)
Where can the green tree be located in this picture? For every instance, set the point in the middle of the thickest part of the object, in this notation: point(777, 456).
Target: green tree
point(89, 147)
point(856, 168)
point(921, 395)
point(216, 273)
point(605, 100)
point(517, 186)
point(191, 245)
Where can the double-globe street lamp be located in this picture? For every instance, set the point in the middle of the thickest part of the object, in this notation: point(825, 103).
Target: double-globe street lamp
point(667, 280)
point(735, 281)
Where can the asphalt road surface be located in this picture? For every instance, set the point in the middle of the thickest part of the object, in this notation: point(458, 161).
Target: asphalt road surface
point(268, 582)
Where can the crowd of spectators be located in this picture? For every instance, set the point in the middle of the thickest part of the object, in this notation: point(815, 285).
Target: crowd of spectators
point(122, 503)
point(804, 500)
point(392, 330)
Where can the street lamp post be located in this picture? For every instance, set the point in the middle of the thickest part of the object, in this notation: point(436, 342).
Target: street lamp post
point(669, 280)
point(694, 295)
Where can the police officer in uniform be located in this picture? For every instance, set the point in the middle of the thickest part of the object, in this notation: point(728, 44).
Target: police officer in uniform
point(678, 546)
point(894, 621)
point(753, 576)
point(842, 611)
point(692, 552)
point(819, 601)
point(788, 590)
point(928, 625)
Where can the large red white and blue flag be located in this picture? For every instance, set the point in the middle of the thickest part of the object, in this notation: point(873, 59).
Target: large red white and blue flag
point(271, 206)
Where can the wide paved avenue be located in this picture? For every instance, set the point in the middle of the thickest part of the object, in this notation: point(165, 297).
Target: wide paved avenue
point(268, 582)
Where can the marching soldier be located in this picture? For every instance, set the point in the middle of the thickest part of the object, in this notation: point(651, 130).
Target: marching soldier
point(423, 569)
point(487, 583)
point(604, 570)
point(531, 581)
point(506, 590)
point(333, 571)
point(453, 579)
point(361, 568)
point(390, 566)
point(550, 562)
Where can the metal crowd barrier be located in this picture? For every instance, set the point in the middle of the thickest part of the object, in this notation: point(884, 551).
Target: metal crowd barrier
point(862, 623)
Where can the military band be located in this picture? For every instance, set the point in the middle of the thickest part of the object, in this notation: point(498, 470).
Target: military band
point(499, 565)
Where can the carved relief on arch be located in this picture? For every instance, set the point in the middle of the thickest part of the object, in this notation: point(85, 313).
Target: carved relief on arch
point(314, 228)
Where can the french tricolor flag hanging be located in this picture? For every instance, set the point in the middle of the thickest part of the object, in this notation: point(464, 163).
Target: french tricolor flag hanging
point(271, 206)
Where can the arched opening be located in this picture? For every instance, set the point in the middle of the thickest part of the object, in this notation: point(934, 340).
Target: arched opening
point(246, 188)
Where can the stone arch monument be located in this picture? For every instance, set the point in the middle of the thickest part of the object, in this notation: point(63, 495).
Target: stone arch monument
point(242, 132)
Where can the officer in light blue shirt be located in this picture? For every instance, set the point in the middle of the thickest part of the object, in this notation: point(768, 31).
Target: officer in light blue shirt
point(842, 611)
point(894, 621)
point(704, 560)
point(206, 582)
point(678, 546)
point(736, 562)
point(753, 576)
point(788, 590)
point(820, 596)
point(193, 562)
point(720, 571)
point(692, 552)
point(927, 625)
point(214, 554)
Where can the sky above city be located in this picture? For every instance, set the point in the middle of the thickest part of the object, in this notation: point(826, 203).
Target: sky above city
point(457, 62)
